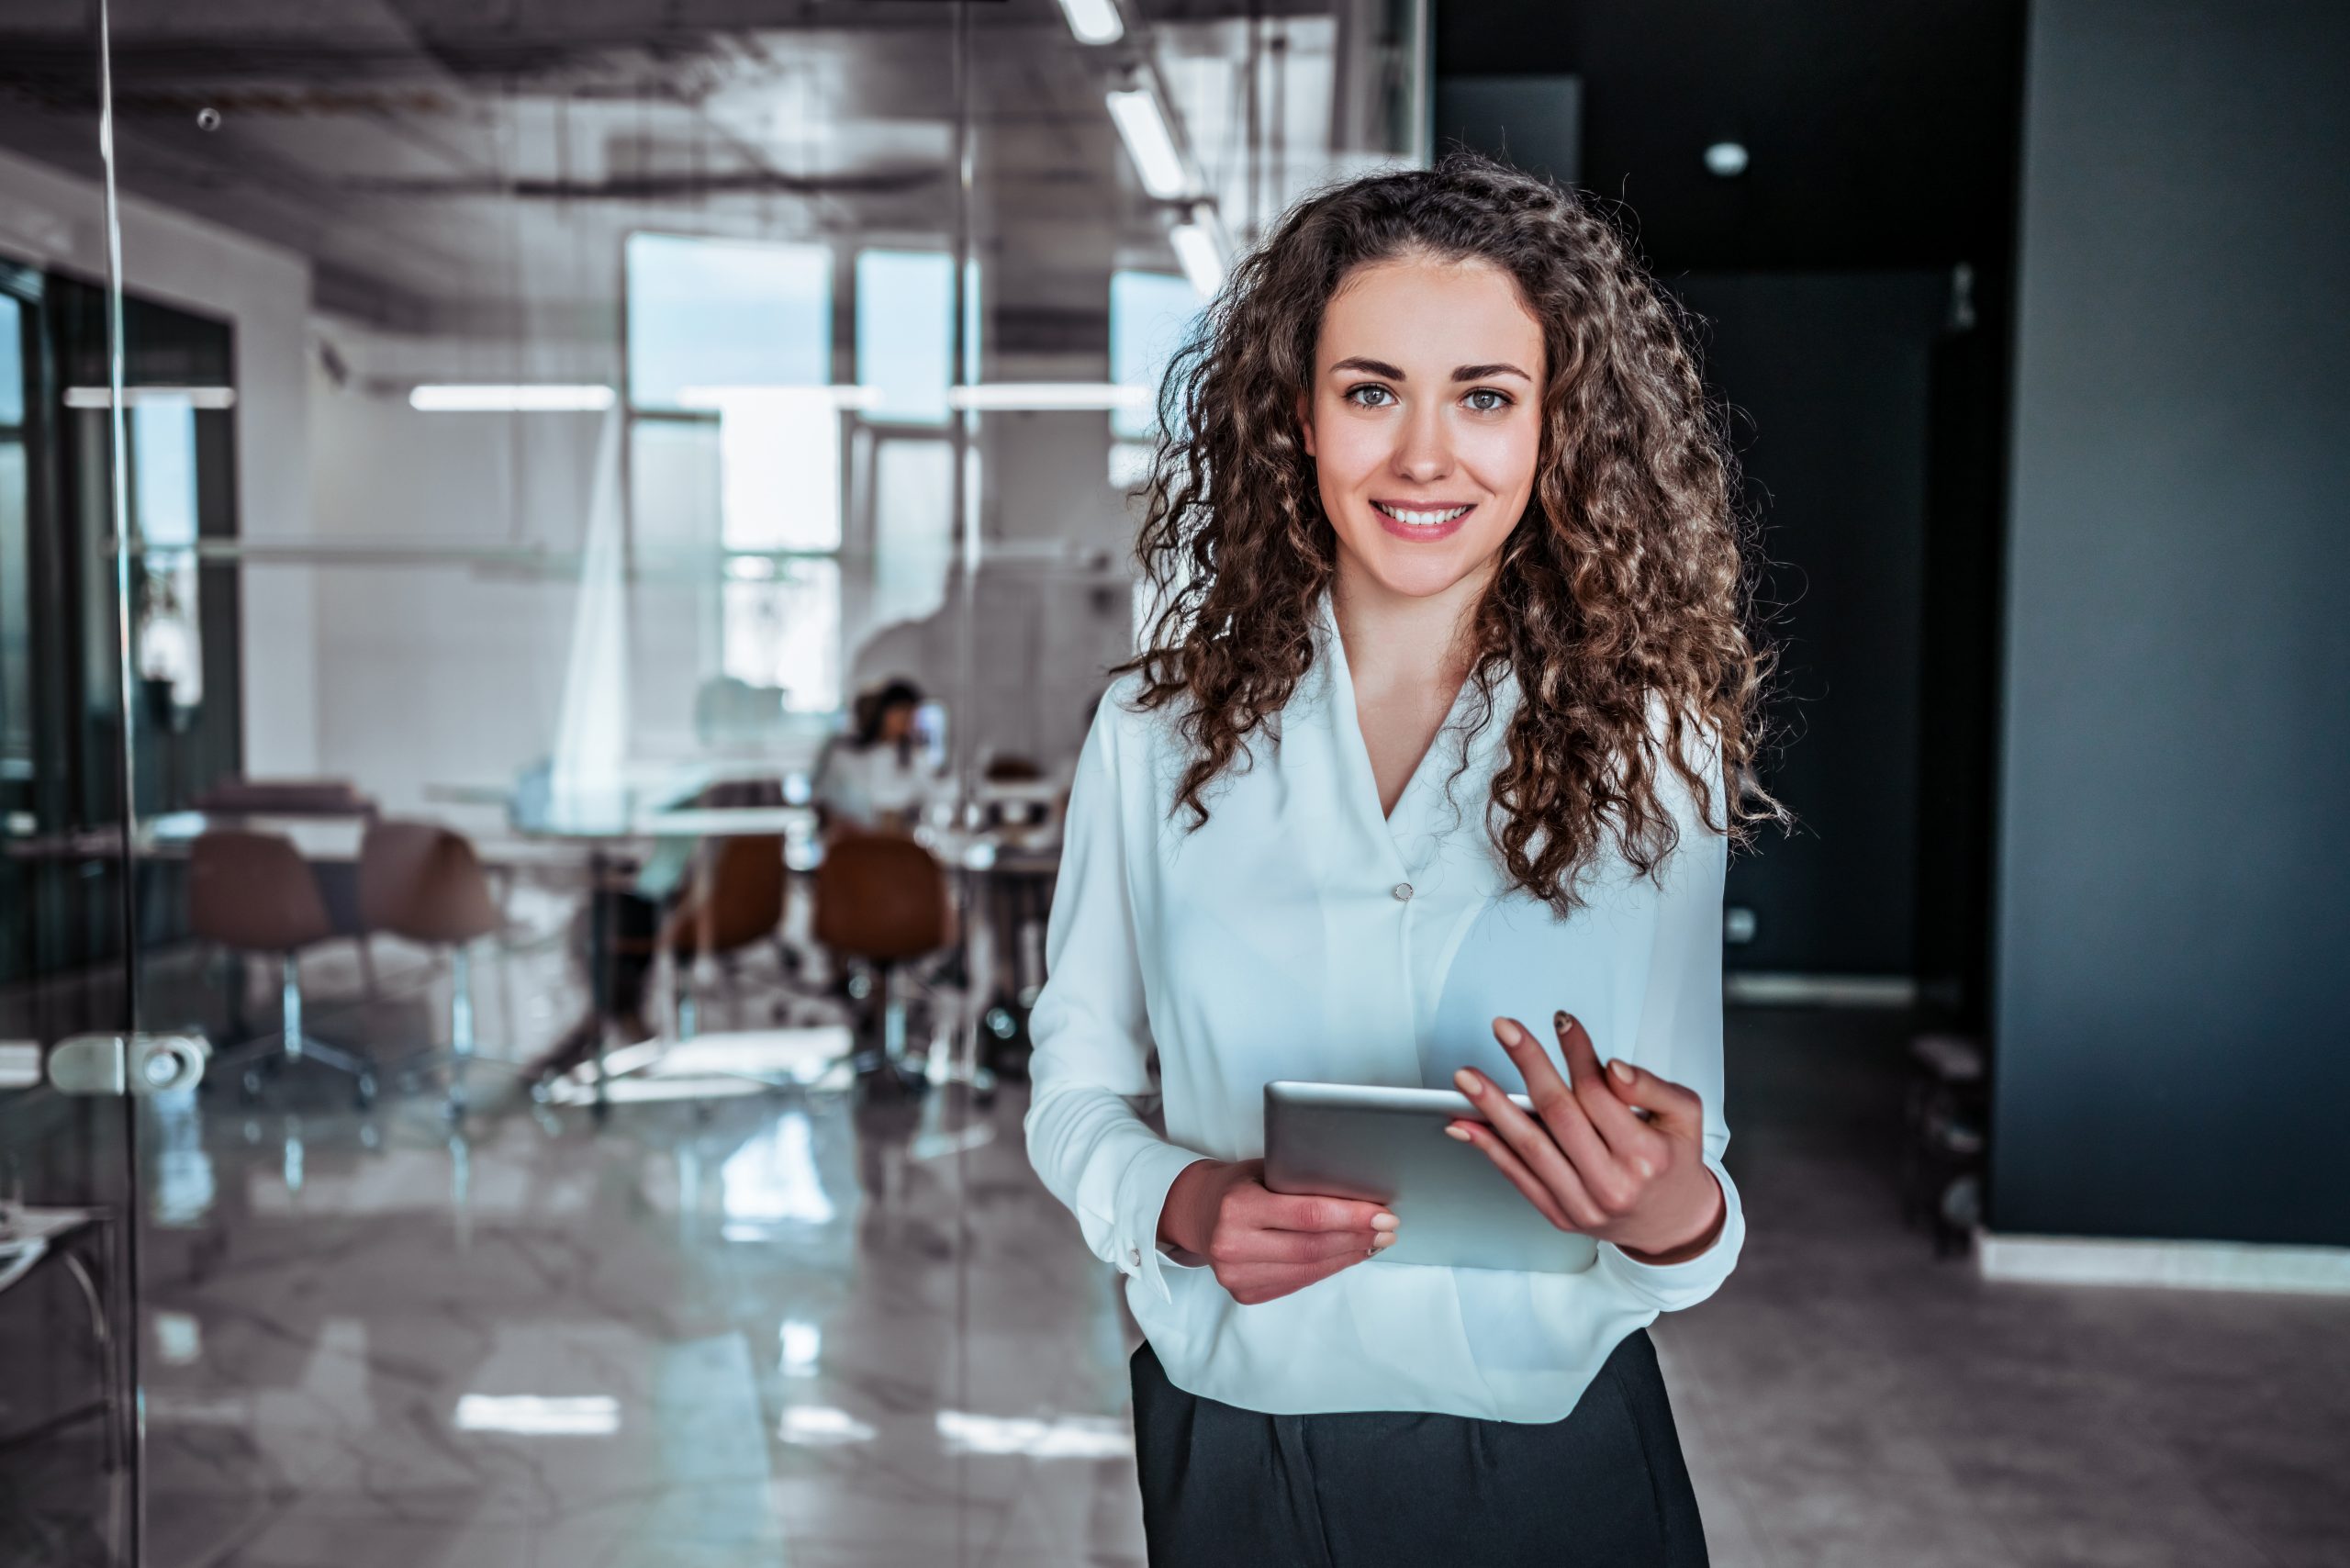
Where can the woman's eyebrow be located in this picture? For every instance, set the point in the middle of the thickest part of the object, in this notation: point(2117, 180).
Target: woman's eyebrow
point(1380, 367)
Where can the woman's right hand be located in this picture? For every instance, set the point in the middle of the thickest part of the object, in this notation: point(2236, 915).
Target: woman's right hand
point(1263, 1244)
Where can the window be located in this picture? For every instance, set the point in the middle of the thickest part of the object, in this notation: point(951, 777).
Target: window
point(730, 346)
point(717, 313)
point(1150, 315)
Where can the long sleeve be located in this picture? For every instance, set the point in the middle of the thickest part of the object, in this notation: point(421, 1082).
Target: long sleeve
point(1086, 1135)
point(1681, 1039)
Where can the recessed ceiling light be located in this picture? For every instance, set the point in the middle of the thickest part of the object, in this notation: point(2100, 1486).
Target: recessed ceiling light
point(1143, 126)
point(1202, 261)
point(1726, 160)
point(1094, 21)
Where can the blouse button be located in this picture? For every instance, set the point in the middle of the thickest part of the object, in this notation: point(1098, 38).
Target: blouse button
point(1403, 891)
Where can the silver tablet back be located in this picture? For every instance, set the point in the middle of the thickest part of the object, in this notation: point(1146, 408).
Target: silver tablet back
point(1388, 1145)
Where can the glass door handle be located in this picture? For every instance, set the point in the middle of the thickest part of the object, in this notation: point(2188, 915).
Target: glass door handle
point(127, 1064)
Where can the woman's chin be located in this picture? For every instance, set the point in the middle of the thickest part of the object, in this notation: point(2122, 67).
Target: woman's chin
point(1418, 571)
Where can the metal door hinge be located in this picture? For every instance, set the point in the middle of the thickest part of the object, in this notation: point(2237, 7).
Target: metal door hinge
point(127, 1064)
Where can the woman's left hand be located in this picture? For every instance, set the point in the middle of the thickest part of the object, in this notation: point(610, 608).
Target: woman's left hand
point(1586, 1158)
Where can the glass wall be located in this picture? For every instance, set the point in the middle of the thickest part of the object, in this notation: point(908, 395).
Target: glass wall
point(574, 467)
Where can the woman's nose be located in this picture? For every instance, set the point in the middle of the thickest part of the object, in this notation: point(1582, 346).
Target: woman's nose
point(1424, 450)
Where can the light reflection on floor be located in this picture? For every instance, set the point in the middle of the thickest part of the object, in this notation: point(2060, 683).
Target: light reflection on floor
point(729, 1323)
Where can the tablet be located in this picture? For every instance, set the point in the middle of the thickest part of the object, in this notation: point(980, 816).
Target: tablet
point(1388, 1145)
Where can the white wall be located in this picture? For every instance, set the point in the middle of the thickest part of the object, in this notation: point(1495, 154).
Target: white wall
point(53, 220)
point(451, 670)
point(445, 668)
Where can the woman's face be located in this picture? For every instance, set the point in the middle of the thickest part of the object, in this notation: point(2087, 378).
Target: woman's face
point(1424, 419)
point(897, 721)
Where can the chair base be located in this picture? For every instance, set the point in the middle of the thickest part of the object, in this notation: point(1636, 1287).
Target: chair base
point(255, 1069)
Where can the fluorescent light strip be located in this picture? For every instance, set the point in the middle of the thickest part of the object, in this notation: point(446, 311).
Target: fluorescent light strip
point(194, 396)
point(1150, 143)
point(1195, 248)
point(488, 398)
point(1031, 396)
point(538, 1416)
point(1094, 21)
point(843, 397)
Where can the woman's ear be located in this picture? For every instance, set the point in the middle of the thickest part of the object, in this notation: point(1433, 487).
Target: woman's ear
point(1305, 421)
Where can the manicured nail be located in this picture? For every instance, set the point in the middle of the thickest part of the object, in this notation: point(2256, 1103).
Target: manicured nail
point(1468, 1083)
point(1623, 1073)
point(1507, 1033)
point(1379, 1241)
point(1383, 1222)
point(1453, 1131)
point(1560, 1022)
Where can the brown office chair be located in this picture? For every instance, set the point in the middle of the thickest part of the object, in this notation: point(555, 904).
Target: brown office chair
point(881, 900)
point(734, 900)
point(254, 893)
point(424, 883)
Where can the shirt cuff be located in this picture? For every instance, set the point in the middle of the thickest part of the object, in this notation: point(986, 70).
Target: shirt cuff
point(1669, 1287)
point(1142, 1198)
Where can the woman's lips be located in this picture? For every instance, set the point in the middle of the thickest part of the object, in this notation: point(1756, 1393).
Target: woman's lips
point(1422, 532)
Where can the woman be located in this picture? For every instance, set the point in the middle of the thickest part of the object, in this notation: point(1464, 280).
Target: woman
point(1445, 731)
point(877, 777)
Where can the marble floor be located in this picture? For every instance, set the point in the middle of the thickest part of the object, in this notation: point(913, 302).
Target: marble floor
point(753, 1326)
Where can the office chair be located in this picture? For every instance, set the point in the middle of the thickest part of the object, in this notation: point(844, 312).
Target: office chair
point(253, 892)
point(422, 882)
point(881, 900)
point(734, 900)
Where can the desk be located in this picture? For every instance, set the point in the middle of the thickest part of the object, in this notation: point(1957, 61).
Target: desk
point(610, 826)
point(976, 858)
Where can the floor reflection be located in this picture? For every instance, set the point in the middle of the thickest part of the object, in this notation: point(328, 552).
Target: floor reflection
point(771, 1324)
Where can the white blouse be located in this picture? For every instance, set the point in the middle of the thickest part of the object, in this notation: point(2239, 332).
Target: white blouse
point(1301, 934)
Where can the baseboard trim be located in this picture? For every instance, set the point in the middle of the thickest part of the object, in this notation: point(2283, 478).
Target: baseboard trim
point(1763, 987)
point(2165, 1265)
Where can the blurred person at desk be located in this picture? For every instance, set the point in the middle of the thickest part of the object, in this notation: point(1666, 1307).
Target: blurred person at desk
point(881, 773)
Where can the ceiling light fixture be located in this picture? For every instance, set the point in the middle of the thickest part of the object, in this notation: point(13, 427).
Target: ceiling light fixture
point(840, 395)
point(1035, 396)
point(1726, 160)
point(1094, 21)
point(487, 399)
point(194, 396)
point(1202, 257)
point(1143, 126)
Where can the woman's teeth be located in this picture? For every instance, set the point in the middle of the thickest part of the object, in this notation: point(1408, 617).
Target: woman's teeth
point(1420, 519)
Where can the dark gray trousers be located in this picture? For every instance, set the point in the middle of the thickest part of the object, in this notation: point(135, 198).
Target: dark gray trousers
point(1224, 1487)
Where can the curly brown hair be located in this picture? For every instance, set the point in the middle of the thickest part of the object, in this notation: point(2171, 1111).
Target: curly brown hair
point(1622, 583)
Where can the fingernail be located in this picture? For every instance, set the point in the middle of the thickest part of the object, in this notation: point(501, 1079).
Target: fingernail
point(1508, 1032)
point(1623, 1073)
point(1379, 1241)
point(1453, 1132)
point(1560, 1022)
point(1382, 1222)
point(1468, 1083)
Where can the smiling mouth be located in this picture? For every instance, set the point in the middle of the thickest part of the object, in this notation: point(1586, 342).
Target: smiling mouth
point(1432, 518)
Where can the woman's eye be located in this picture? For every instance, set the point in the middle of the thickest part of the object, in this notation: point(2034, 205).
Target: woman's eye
point(1485, 400)
point(1368, 397)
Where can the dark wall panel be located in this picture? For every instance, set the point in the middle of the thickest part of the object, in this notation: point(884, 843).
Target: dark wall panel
point(2174, 906)
point(1829, 375)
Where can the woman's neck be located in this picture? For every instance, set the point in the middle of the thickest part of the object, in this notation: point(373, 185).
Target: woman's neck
point(1397, 642)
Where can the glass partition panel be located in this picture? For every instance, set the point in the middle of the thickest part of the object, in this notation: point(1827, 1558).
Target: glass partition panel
point(596, 486)
point(1122, 158)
